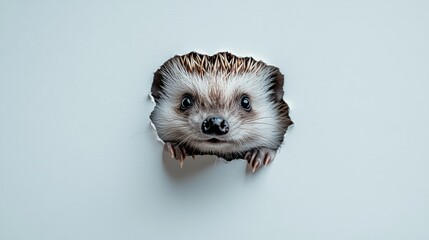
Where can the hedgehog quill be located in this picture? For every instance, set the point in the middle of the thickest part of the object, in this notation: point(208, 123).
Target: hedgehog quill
point(222, 105)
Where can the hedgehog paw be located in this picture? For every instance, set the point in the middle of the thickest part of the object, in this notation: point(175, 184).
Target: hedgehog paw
point(259, 156)
point(176, 152)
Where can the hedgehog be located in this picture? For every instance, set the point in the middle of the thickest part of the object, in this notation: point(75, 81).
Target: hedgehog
point(223, 105)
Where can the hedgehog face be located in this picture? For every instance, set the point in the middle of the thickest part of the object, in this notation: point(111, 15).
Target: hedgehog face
point(217, 112)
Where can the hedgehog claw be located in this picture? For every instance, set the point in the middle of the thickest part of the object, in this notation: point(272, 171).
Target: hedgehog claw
point(258, 157)
point(176, 152)
point(254, 167)
point(267, 159)
point(168, 147)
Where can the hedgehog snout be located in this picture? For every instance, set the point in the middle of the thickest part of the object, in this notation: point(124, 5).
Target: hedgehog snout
point(215, 125)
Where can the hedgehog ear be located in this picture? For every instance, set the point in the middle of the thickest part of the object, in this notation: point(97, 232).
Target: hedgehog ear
point(157, 86)
point(277, 80)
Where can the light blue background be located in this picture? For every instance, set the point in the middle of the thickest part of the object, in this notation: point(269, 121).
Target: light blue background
point(78, 159)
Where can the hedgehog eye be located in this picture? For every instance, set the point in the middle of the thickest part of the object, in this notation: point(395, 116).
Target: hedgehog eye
point(245, 103)
point(187, 102)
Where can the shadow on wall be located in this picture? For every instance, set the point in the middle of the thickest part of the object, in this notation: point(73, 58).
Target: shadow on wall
point(191, 167)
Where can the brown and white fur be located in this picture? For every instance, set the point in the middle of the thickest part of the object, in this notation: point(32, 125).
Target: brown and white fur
point(216, 85)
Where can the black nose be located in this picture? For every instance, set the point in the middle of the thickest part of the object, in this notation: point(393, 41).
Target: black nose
point(215, 125)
